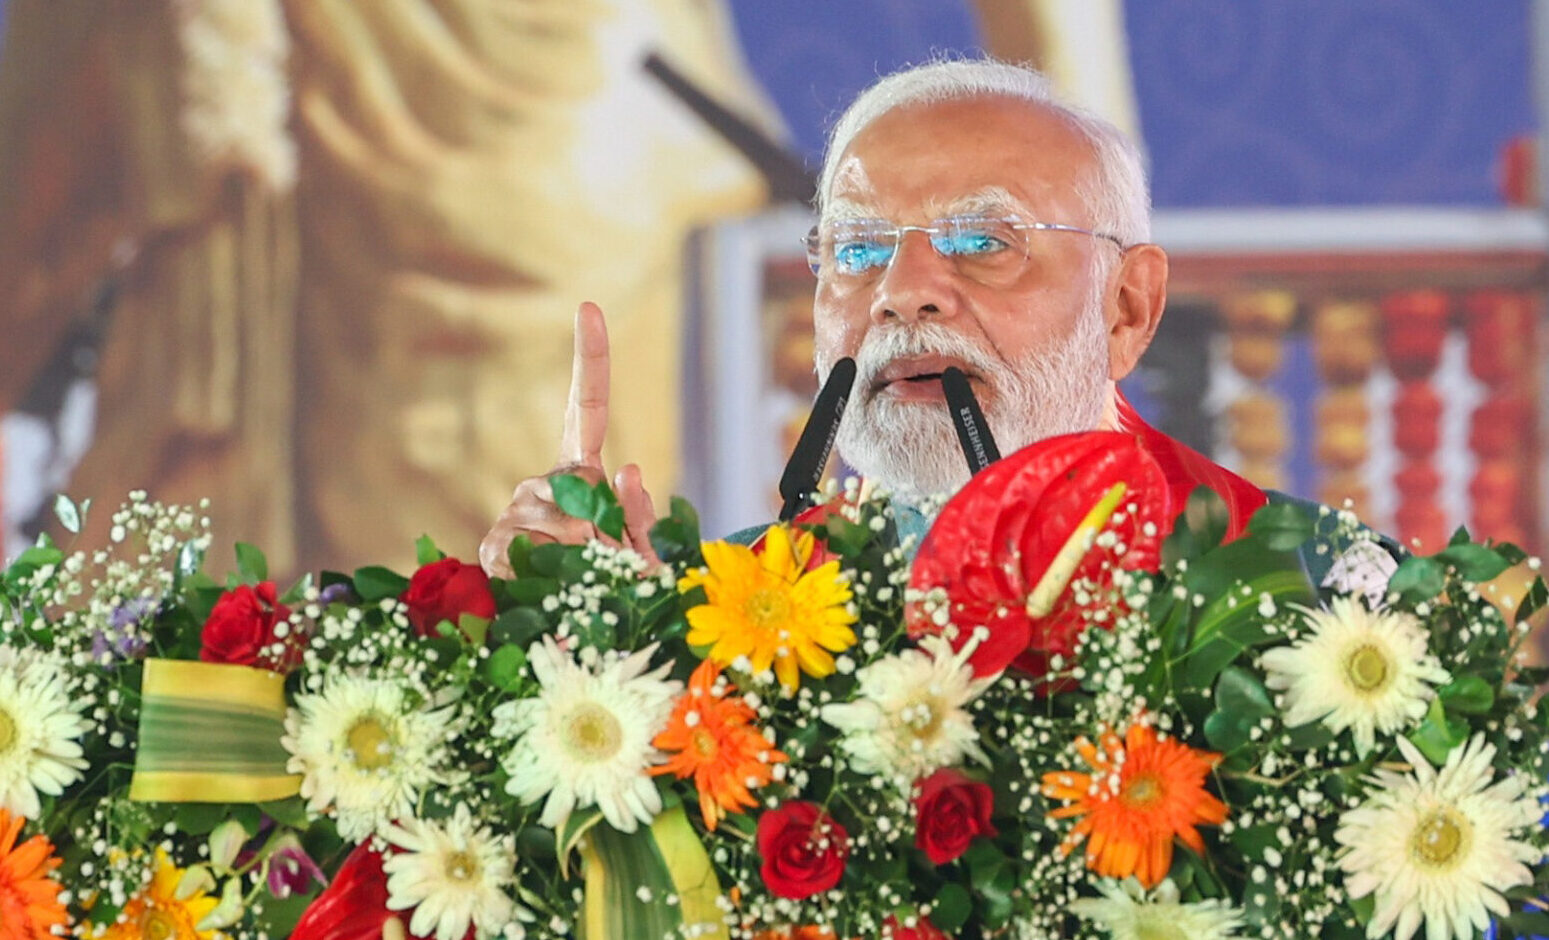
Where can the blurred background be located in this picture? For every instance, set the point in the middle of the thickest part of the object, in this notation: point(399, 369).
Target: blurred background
point(317, 260)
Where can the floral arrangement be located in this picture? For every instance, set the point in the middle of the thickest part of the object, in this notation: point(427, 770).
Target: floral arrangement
point(1062, 713)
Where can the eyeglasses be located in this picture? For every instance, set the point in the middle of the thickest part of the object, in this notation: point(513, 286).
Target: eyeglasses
point(992, 251)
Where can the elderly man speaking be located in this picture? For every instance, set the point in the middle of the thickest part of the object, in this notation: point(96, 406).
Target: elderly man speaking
point(967, 219)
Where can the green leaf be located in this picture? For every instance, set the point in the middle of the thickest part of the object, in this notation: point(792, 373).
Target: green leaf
point(676, 537)
point(1474, 562)
point(426, 552)
point(505, 667)
point(548, 559)
point(1242, 693)
point(953, 905)
point(252, 567)
point(1199, 528)
point(1469, 695)
point(68, 512)
point(198, 819)
point(1241, 701)
point(518, 554)
point(474, 627)
point(574, 496)
point(1437, 735)
point(1537, 597)
point(610, 518)
point(1527, 924)
point(1309, 737)
point(518, 626)
point(298, 591)
point(1283, 526)
point(374, 583)
point(530, 590)
point(1418, 579)
point(597, 504)
point(569, 835)
point(291, 811)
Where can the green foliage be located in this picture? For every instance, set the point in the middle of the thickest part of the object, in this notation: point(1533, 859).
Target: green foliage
point(596, 504)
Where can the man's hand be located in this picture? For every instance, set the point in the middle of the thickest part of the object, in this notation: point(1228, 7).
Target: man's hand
point(532, 511)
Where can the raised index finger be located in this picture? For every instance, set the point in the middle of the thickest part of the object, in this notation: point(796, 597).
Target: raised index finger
point(586, 414)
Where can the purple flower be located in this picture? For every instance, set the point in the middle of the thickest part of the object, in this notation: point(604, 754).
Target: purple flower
point(130, 614)
point(291, 870)
point(120, 640)
point(337, 591)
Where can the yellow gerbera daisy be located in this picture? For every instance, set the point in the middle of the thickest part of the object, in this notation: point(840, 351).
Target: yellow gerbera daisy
point(767, 607)
point(158, 912)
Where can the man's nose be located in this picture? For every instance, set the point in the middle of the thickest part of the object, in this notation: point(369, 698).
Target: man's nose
point(918, 282)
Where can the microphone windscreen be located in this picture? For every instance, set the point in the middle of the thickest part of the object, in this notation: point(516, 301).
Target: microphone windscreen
point(973, 432)
point(805, 468)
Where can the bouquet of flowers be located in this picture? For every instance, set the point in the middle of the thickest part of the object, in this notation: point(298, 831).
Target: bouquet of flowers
point(1062, 713)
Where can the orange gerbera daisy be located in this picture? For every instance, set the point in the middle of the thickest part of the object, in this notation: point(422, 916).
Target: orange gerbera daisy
point(1144, 792)
point(712, 736)
point(29, 897)
point(157, 913)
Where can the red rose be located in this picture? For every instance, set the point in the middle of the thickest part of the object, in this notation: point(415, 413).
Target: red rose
point(804, 849)
point(923, 929)
point(950, 812)
point(445, 590)
point(241, 630)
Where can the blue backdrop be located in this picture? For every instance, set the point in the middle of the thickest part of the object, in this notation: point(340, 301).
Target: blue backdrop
point(1243, 102)
point(1264, 102)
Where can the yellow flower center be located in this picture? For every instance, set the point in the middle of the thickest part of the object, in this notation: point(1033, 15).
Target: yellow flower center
point(157, 925)
point(704, 743)
point(1366, 669)
point(462, 867)
point(593, 734)
point(1141, 791)
point(370, 744)
point(1151, 930)
point(8, 733)
point(925, 719)
point(1441, 839)
point(767, 608)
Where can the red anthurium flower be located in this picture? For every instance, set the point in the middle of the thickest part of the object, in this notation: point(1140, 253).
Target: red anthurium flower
point(998, 549)
point(354, 906)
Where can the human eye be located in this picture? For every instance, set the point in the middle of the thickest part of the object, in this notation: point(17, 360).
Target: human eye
point(971, 237)
point(858, 252)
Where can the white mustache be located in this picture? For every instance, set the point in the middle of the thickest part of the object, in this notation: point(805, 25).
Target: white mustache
point(885, 344)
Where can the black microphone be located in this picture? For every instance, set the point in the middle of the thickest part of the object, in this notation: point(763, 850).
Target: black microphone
point(805, 467)
point(973, 432)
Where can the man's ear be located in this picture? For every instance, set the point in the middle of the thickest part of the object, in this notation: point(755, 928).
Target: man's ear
point(1135, 306)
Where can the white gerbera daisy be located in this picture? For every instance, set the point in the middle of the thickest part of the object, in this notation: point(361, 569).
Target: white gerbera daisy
point(908, 717)
point(364, 751)
point(453, 875)
point(1360, 669)
point(586, 738)
point(1438, 846)
point(40, 731)
point(1127, 913)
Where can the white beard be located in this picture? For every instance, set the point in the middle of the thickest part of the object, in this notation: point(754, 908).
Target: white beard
point(911, 448)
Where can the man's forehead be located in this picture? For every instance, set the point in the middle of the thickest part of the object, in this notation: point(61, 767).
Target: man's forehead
point(988, 200)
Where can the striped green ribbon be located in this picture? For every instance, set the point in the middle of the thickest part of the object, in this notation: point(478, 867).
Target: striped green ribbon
point(210, 733)
point(629, 877)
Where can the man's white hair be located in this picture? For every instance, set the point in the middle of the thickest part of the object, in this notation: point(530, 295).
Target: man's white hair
point(1116, 193)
